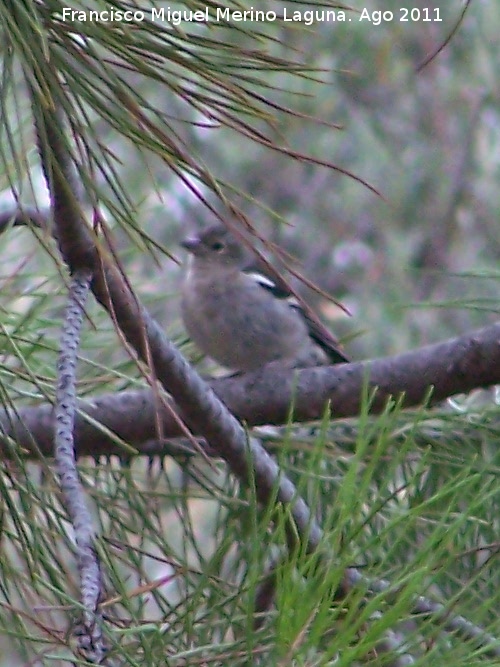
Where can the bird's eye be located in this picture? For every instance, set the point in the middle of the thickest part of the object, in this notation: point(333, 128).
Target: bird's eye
point(217, 246)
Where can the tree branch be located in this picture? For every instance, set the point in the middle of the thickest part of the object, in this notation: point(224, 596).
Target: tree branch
point(455, 366)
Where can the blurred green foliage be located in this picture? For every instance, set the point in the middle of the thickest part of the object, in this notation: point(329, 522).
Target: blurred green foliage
point(428, 141)
point(414, 265)
point(410, 497)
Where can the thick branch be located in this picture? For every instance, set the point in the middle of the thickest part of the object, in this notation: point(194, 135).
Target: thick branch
point(451, 367)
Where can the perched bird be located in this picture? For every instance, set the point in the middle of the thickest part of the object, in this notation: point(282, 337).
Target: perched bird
point(241, 320)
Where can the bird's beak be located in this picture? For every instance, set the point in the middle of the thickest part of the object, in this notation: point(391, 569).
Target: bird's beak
point(191, 245)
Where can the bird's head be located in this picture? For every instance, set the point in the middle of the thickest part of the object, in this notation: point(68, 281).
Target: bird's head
point(217, 246)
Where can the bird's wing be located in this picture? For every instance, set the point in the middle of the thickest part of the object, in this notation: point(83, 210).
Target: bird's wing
point(317, 331)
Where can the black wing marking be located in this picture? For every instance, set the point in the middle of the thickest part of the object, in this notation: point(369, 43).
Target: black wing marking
point(280, 292)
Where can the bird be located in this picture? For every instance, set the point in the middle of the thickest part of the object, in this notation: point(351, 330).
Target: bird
point(242, 319)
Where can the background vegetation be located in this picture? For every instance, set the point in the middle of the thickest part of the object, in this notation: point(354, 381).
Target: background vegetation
point(413, 498)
